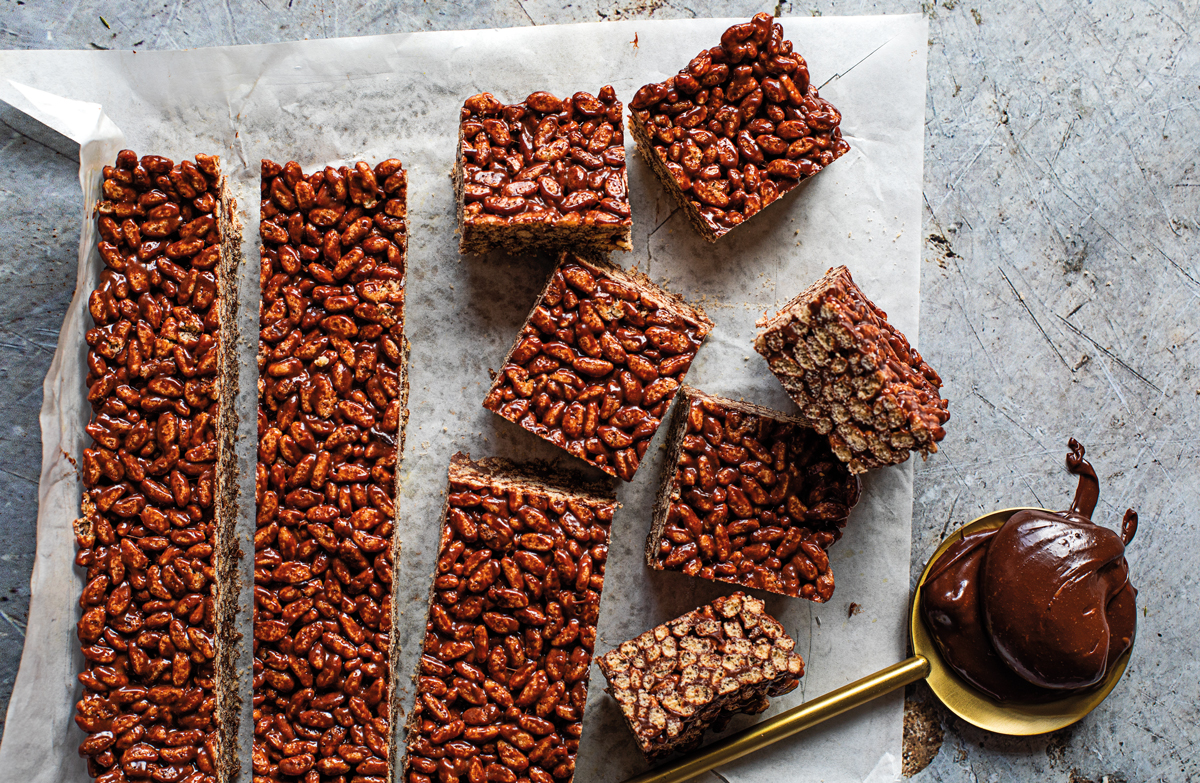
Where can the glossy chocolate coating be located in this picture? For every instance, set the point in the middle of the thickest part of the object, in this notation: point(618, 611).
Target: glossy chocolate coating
point(1038, 607)
point(950, 608)
point(1057, 599)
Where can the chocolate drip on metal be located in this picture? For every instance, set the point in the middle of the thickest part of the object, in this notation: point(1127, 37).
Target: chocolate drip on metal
point(1129, 526)
point(1088, 491)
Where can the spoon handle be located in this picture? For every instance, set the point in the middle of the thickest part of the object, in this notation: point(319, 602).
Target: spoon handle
point(785, 724)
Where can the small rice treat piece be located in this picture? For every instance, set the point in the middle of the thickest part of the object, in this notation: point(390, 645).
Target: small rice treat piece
point(697, 671)
point(750, 496)
point(737, 128)
point(597, 363)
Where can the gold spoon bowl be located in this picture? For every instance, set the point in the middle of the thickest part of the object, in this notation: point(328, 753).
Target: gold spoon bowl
point(976, 708)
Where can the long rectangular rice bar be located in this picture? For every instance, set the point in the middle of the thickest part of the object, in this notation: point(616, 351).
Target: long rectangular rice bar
point(156, 535)
point(749, 496)
point(333, 391)
point(854, 375)
point(503, 678)
point(697, 671)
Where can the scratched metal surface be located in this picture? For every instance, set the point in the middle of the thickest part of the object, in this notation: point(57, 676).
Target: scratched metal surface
point(1061, 295)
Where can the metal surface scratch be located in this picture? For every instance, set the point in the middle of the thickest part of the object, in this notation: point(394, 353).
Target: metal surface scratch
point(1109, 354)
point(1036, 322)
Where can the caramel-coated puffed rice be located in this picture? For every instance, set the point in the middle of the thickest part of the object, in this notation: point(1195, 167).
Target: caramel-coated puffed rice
point(332, 395)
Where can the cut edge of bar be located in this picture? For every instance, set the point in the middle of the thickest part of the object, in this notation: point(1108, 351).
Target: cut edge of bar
point(784, 314)
point(662, 500)
point(640, 281)
point(227, 552)
point(545, 477)
point(395, 710)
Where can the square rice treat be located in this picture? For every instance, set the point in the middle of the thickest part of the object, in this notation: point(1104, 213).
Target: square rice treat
point(542, 174)
point(854, 375)
point(598, 362)
point(737, 128)
point(699, 670)
point(750, 496)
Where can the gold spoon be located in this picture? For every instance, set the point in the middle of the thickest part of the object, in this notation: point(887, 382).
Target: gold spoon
point(926, 663)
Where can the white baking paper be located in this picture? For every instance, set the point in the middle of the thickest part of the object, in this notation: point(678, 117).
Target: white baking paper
point(336, 101)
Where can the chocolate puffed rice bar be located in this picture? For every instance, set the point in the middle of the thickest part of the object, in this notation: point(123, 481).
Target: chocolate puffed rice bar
point(854, 375)
point(697, 671)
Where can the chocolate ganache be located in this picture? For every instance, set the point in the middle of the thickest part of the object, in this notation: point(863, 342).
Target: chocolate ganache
point(1039, 607)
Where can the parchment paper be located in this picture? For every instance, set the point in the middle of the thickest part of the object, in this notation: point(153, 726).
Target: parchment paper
point(335, 101)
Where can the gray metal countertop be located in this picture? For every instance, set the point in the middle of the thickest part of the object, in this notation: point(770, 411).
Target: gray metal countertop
point(1060, 297)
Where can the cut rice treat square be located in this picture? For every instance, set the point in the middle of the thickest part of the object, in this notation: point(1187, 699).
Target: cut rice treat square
point(697, 671)
point(853, 374)
point(737, 128)
point(544, 173)
point(597, 363)
point(750, 496)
